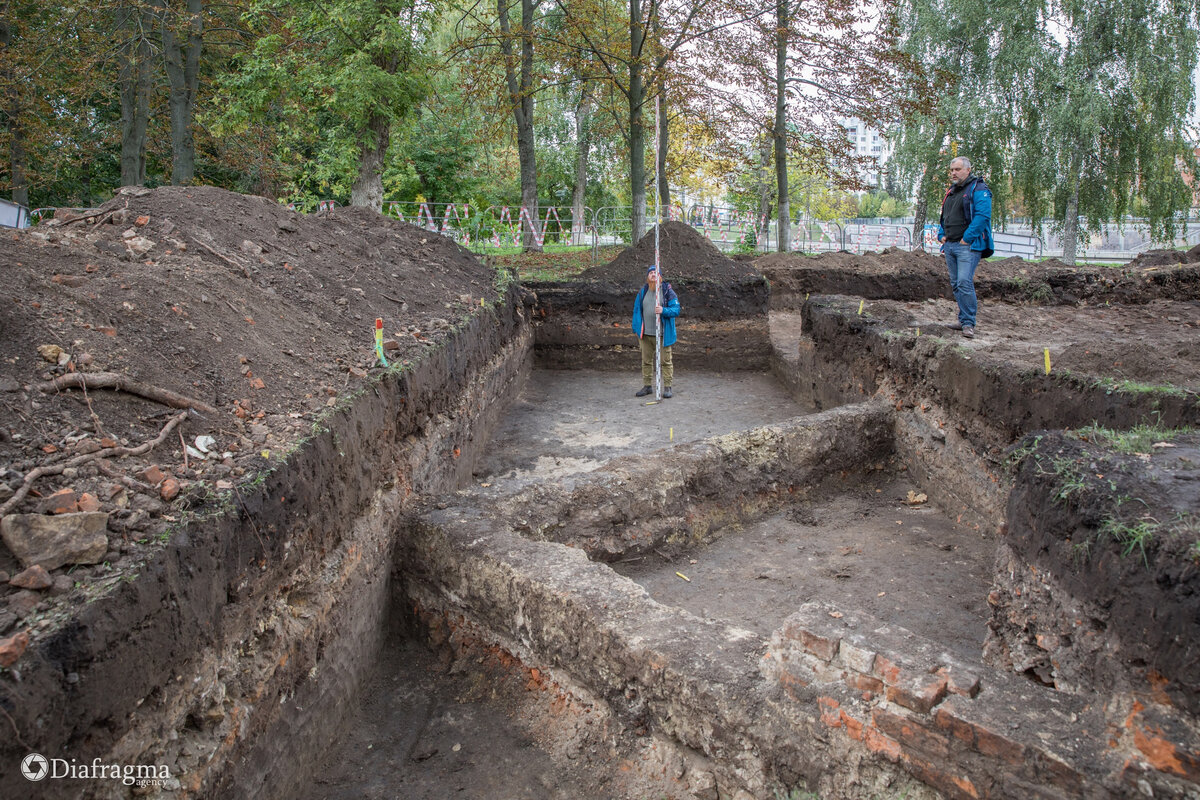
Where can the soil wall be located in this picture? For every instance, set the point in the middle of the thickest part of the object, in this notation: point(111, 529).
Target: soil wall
point(586, 324)
point(899, 275)
point(233, 655)
point(1102, 589)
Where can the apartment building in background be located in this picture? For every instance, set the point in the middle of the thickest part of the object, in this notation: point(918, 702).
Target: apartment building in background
point(870, 143)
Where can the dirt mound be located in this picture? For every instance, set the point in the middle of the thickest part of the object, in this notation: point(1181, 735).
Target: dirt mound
point(686, 255)
point(261, 314)
point(891, 260)
point(1164, 258)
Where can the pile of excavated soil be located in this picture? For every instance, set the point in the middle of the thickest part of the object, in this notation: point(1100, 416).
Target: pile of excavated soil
point(685, 254)
point(903, 275)
point(896, 261)
point(1163, 258)
point(258, 313)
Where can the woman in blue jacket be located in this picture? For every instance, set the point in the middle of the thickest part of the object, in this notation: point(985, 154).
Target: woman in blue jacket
point(644, 311)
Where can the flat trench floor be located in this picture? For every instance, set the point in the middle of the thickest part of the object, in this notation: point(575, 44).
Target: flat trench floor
point(865, 549)
point(569, 422)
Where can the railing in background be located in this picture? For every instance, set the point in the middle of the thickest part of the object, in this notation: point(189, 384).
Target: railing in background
point(732, 230)
point(860, 238)
point(1025, 245)
point(502, 227)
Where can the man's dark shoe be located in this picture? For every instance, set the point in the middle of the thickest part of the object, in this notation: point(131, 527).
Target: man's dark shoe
point(955, 326)
point(645, 390)
point(666, 392)
point(968, 331)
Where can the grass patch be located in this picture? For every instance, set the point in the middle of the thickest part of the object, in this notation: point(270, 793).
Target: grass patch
point(1138, 439)
point(1131, 535)
point(1110, 385)
point(554, 263)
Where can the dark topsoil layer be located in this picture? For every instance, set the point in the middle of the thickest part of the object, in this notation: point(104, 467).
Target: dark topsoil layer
point(903, 275)
point(235, 301)
point(685, 255)
point(1121, 532)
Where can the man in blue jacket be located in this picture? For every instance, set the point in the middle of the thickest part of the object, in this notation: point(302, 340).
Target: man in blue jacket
point(644, 311)
point(965, 231)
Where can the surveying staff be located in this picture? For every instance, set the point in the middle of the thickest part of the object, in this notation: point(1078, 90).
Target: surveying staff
point(644, 312)
point(965, 231)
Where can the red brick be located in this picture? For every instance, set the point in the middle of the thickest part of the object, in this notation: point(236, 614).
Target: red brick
point(920, 693)
point(830, 711)
point(981, 739)
point(863, 683)
point(886, 670)
point(856, 658)
point(12, 648)
point(169, 490)
point(912, 734)
point(962, 682)
point(822, 647)
point(64, 501)
point(152, 475)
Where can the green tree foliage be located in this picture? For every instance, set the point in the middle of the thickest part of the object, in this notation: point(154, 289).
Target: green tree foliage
point(1106, 125)
point(1076, 107)
point(332, 78)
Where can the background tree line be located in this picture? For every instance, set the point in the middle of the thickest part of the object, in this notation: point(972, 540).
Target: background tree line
point(1075, 110)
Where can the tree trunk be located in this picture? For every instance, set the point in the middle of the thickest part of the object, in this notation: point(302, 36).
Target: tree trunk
point(921, 209)
point(637, 141)
point(781, 168)
point(1070, 234)
point(367, 190)
point(763, 223)
point(182, 62)
point(134, 81)
point(519, 79)
point(583, 115)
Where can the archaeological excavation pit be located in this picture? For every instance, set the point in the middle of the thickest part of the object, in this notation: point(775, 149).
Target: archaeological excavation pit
point(853, 557)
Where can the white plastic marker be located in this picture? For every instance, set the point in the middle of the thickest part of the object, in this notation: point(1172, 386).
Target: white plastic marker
point(379, 340)
point(1046, 353)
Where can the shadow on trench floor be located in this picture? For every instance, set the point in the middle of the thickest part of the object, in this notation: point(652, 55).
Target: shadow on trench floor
point(478, 726)
point(426, 732)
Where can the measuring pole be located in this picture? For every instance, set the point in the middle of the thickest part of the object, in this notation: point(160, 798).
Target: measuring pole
point(658, 293)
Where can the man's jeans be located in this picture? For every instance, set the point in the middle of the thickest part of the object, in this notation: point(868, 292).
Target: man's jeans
point(961, 262)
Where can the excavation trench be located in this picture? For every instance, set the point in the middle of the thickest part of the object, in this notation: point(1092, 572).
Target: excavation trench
point(733, 593)
point(730, 593)
point(494, 577)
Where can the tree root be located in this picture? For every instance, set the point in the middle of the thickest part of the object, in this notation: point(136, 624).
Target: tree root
point(115, 380)
point(108, 452)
